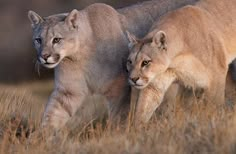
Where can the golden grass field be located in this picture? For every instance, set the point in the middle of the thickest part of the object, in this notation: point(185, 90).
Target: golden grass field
point(176, 129)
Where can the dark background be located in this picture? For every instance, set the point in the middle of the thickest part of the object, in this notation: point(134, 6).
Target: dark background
point(17, 56)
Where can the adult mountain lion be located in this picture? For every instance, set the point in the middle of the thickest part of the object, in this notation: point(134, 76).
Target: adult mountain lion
point(88, 50)
point(191, 46)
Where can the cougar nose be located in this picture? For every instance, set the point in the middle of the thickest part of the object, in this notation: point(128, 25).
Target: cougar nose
point(45, 56)
point(135, 79)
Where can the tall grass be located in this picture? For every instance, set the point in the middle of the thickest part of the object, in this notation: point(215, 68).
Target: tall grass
point(193, 128)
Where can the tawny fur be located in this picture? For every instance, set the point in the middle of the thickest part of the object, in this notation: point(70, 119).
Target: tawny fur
point(192, 46)
point(92, 54)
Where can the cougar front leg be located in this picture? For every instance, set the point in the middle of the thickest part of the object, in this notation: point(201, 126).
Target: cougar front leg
point(60, 107)
point(151, 97)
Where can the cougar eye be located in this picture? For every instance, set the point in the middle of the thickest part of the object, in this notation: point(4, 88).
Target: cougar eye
point(129, 61)
point(38, 40)
point(145, 62)
point(56, 40)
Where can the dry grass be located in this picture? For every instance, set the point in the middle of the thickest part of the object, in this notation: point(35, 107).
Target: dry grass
point(197, 128)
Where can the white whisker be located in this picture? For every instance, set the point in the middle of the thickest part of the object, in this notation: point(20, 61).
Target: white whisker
point(37, 67)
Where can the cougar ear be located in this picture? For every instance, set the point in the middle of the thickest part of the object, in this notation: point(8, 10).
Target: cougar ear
point(159, 40)
point(132, 39)
point(72, 18)
point(34, 18)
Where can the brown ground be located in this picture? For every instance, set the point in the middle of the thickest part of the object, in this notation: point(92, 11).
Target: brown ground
point(191, 128)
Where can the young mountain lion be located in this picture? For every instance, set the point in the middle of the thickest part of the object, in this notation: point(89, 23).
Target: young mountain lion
point(192, 46)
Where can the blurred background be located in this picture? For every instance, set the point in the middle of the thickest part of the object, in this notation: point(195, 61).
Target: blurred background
point(17, 56)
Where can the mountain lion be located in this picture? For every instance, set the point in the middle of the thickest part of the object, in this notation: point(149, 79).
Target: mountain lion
point(192, 46)
point(88, 51)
